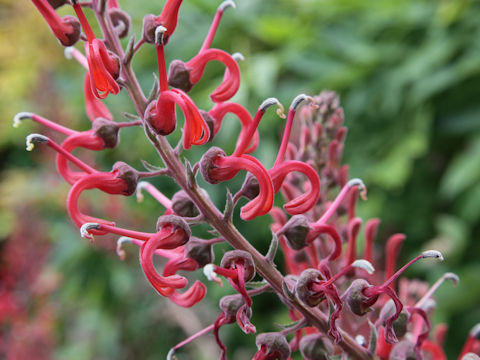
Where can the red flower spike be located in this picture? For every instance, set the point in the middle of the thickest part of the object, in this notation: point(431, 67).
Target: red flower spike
point(66, 29)
point(392, 249)
point(103, 65)
point(219, 111)
point(371, 228)
point(244, 143)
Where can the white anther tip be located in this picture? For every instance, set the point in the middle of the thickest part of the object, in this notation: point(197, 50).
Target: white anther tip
point(171, 355)
point(360, 339)
point(365, 265)
point(85, 228)
point(140, 186)
point(475, 332)
point(299, 99)
point(68, 52)
point(452, 277)
point(17, 119)
point(120, 251)
point(270, 102)
point(470, 356)
point(361, 185)
point(238, 57)
point(32, 139)
point(226, 4)
point(433, 254)
point(159, 33)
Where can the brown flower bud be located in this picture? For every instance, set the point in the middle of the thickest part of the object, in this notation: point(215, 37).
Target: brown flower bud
point(74, 36)
point(127, 174)
point(230, 305)
point(250, 188)
point(200, 252)
point(121, 21)
point(179, 76)
point(207, 163)
point(274, 345)
point(404, 350)
point(303, 287)
point(106, 130)
point(183, 205)
point(296, 231)
point(210, 123)
point(316, 347)
point(355, 298)
point(232, 259)
point(57, 3)
point(149, 27)
point(178, 224)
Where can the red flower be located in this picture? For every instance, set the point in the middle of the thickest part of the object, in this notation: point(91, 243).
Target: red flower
point(66, 29)
point(103, 65)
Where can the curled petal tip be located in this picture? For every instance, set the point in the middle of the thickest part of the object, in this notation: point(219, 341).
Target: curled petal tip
point(433, 254)
point(298, 100)
point(270, 102)
point(17, 119)
point(226, 4)
point(238, 57)
point(365, 265)
point(159, 34)
point(120, 251)
point(32, 139)
point(68, 52)
point(85, 228)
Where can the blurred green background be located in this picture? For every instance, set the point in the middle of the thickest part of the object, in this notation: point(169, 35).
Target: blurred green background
point(408, 73)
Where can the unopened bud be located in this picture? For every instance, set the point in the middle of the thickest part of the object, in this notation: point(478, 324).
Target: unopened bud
point(304, 287)
point(57, 3)
point(179, 76)
point(355, 298)
point(404, 350)
point(230, 304)
point(207, 163)
point(183, 205)
point(316, 347)
point(199, 251)
point(250, 188)
point(127, 174)
point(400, 324)
point(274, 345)
point(296, 231)
point(178, 224)
point(149, 27)
point(210, 121)
point(107, 130)
point(73, 36)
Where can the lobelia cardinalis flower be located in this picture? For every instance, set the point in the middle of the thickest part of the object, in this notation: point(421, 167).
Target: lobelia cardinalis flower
point(360, 296)
point(66, 29)
point(185, 75)
point(103, 65)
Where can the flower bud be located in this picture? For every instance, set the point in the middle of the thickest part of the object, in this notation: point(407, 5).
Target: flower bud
point(178, 224)
point(149, 27)
point(127, 174)
point(200, 252)
point(404, 350)
point(74, 36)
point(106, 130)
point(210, 121)
point(57, 3)
point(303, 287)
point(250, 188)
point(272, 346)
point(230, 304)
point(400, 324)
point(233, 258)
point(296, 231)
point(207, 163)
point(121, 21)
point(316, 347)
point(355, 298)
point(161, 127)
point(183, 205)
point(179, 75)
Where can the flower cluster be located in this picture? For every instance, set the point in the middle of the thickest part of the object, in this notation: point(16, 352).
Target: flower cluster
point(337, 301)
